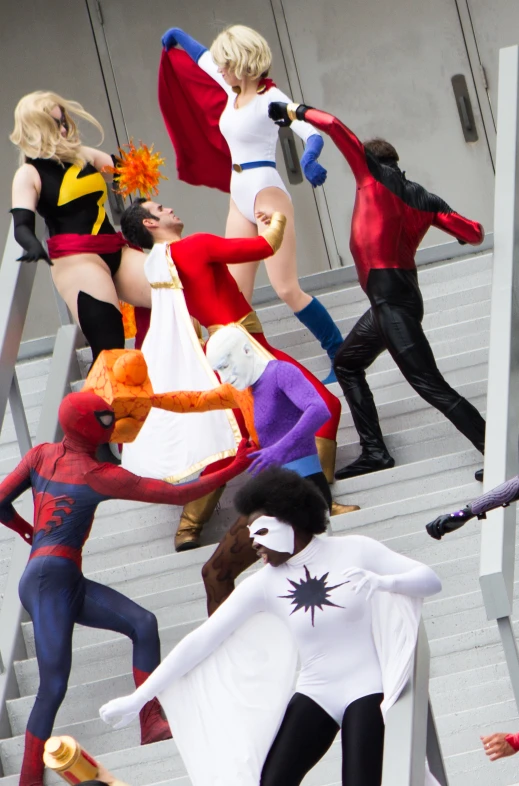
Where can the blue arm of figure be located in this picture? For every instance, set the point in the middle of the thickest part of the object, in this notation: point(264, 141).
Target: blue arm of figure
point(175, 36)
point(312, 170)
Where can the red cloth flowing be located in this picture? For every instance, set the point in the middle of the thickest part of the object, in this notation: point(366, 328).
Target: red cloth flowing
point(191, 104)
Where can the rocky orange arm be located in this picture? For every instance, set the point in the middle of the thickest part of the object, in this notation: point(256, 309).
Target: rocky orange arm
point(186, 401)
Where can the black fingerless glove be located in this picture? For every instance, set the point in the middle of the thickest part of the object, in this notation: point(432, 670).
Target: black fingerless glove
point(278, 112)
point(302, 110)
point(449, 522)
point(24, 232)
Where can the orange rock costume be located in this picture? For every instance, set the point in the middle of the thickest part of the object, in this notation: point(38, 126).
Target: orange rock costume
point(120, 377)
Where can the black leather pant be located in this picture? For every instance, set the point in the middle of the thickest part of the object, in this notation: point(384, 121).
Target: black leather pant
point(394, 322)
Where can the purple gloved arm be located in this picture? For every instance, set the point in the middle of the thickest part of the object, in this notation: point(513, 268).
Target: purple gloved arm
point(314, 413)
point(502, 495)
point(302, 393)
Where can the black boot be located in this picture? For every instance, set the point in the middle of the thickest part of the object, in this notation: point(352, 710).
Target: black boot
point(101, 323)
point(366, 462)
point(375, 455)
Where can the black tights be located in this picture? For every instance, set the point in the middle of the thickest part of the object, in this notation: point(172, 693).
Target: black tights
point(307, 732)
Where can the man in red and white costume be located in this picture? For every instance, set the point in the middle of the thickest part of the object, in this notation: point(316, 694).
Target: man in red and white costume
point(212, 297)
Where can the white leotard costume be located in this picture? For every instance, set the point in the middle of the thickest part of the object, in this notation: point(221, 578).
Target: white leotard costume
point(251, 136)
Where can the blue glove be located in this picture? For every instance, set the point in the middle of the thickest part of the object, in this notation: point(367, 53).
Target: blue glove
point(313, 171)
point(175, 36)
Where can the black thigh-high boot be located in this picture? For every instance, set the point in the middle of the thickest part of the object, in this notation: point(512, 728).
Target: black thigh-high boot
point(102, 326)
point(101, 323)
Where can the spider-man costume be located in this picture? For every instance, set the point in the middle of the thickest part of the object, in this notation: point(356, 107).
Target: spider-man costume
point(390, 218)
point(68, 484)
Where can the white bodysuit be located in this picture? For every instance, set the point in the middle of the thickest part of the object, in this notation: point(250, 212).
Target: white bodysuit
point(252, 136)
point(331, 625)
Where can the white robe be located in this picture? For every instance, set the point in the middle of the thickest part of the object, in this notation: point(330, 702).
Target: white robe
point(171, 446)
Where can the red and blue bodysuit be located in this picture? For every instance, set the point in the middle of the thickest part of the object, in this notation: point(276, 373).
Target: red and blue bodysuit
point(68, 484)
point(390, 218)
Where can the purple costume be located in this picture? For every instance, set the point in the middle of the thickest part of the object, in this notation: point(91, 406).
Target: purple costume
point(503, 495)
point(287, 413)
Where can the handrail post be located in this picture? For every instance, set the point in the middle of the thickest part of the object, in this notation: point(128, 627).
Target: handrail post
point(406, 724)
point(501, 448)
point(16, 282)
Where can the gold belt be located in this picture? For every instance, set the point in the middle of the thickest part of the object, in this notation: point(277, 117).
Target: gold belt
point(250, 322)
point(250, 325)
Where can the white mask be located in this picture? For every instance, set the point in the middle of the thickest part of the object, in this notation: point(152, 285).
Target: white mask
point(232, 356)
point(280, 536)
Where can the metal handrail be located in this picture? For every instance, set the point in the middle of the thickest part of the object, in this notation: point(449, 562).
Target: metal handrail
point(501, 449)
point(16, 284)
point(410, 732)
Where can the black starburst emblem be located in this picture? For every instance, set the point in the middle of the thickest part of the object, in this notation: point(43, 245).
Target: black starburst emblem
point(311, 594)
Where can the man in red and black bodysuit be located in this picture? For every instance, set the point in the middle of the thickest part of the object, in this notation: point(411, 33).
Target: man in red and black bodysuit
point(68, 483)
point(213, 298)
point(390, 217)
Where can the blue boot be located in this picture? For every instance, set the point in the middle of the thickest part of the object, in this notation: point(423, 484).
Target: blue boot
point(316, 318)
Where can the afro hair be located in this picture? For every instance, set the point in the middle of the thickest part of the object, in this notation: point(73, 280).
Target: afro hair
point(286, 496)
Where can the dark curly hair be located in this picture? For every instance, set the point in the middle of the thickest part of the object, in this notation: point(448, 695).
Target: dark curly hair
point(132, 227)
point(287, 496)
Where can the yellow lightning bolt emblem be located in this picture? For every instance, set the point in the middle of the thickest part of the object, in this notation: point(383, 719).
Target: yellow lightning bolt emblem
point(74, 187)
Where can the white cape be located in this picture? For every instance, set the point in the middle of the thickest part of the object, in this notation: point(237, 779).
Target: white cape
point(170, 446)
point(395, 623)
point(225, 713)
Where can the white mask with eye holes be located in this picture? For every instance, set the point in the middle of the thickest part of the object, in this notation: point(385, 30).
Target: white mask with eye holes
point(279, 536)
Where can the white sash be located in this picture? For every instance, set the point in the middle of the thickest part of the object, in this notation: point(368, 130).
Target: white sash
point(170, 446)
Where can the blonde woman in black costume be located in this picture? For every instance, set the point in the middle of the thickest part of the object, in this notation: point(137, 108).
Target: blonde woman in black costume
point(63, 180)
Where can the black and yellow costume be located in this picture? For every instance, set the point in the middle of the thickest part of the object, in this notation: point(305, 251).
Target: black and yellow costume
point(72, 203)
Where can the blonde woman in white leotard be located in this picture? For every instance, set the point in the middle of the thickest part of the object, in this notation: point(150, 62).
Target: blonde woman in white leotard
point(239, 60)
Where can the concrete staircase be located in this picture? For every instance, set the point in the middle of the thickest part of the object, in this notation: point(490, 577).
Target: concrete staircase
point(131, 549)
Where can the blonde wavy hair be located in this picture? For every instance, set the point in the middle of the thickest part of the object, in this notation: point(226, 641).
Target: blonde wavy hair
point(243, 51)
point(37, 135)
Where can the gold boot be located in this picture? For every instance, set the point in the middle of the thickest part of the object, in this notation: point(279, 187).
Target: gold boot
point(338, 509)
point(326, 450)
point(194, 515)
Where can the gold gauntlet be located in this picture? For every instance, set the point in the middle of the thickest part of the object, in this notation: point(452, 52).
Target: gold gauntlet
point(275, 231)
point(291, 111)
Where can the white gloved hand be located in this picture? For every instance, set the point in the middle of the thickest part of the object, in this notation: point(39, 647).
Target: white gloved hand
point(118, 713)
point(370, 580)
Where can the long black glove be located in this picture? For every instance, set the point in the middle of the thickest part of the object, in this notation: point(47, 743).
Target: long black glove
point(449, 522)
point(24, 233)
point(278, 112)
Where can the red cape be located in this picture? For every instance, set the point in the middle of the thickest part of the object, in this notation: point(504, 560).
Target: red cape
point(191, 104)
